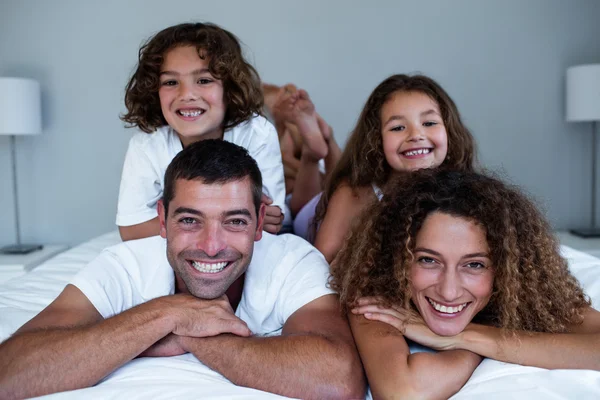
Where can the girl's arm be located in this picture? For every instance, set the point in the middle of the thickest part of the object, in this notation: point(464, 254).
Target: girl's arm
point(393, 372)
point(578, 349)
point(344, 206)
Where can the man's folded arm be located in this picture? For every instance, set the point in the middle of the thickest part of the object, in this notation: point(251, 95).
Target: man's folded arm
point(69, 345)
point(315, 357)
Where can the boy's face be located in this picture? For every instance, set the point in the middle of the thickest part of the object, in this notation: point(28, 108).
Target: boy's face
point(210, 231)
point(190, 98)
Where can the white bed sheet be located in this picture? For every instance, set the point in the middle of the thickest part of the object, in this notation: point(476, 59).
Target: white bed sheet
point(185, 377)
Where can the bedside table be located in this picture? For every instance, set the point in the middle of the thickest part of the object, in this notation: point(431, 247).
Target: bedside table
point(587, 245)
point(12, 265)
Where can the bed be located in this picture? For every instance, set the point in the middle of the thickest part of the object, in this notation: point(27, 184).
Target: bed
point(183, 376)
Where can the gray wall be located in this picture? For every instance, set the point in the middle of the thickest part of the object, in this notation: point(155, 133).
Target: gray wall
point(503, 62)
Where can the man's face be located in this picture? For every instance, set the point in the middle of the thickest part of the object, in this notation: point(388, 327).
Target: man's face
point(210, 232)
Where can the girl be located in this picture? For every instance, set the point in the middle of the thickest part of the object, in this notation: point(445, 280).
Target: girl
point(462, 263)
point(192, 83)
point(308, 148)
point(408, 123)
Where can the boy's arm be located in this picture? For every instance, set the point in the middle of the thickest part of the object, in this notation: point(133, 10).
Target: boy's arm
point(140, 231)
point(315, 357)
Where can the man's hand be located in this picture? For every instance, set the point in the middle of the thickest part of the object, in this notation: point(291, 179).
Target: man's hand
point(273, 216)
point(165, 347)
point(202, 318)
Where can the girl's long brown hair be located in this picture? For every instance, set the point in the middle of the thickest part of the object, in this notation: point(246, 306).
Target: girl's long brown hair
point(363, 162)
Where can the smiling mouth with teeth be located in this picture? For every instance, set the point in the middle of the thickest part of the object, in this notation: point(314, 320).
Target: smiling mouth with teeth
point(445, 309)
point(416, 152)
point(189, 113)
point(209, 268)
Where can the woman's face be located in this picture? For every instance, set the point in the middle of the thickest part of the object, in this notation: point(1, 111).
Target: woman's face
point(452, 274)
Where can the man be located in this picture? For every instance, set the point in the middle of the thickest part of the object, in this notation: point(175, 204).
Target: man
point(157, 297)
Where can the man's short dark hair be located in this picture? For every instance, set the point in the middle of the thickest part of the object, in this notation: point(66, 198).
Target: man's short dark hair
point(213, 161)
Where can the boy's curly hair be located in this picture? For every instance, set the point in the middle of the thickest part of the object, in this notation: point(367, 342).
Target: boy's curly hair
point(363, 162)
point(533, 289)
point(241, 84)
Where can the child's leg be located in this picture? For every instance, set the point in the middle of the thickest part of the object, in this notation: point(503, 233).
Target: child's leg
point(308, 126)
point(303, 221)
point(334, 152)
point(308, 181)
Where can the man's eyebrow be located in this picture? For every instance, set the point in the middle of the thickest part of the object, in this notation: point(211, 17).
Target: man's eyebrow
point(241, 211)
point(194, 72)
point(187, 210)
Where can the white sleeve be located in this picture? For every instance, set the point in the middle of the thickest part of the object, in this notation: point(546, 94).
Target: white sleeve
point(268, 157)
point(307, 281)
point(104, 281)
point(141, 187)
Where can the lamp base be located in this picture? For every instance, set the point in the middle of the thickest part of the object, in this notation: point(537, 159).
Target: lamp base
point(586, 232)
point(20, 248)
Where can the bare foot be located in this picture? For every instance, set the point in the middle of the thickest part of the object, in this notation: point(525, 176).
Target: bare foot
point(306, 118)
point(270, 93)
point(325, 129)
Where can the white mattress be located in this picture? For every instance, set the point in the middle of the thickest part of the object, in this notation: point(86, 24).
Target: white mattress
point(185, 377)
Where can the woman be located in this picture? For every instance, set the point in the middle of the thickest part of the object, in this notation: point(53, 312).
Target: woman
point(461, 263)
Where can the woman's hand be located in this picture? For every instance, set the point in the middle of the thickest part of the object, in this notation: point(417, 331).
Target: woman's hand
point(409, 322)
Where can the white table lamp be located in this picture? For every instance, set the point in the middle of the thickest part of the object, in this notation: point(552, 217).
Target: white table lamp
point(20, 114)
point(583, 105)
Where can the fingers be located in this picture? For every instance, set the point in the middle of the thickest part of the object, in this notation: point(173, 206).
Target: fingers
point(324, 127)
point(232, 325)
point(203, 318)
point(272, 228)
point(290, 88)
point(266, 199)
point(369, 300)
point(273, 213)
point(374, 308)
point(385, 318)
point(303, 95)
point(273, 219)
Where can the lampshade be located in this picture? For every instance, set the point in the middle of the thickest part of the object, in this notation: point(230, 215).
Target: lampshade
point(583, 93)
point(20, 107)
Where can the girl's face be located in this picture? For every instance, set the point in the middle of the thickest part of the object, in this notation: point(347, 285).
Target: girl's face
point(190, 98)
point(452, 275)
point(414, 135)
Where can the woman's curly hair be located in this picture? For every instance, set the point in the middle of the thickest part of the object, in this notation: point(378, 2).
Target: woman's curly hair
point(363, 162)
point(533, 289)
point(242, 93)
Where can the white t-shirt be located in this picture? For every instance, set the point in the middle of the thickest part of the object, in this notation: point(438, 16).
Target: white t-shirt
point(285, 273)
point(149, 155)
